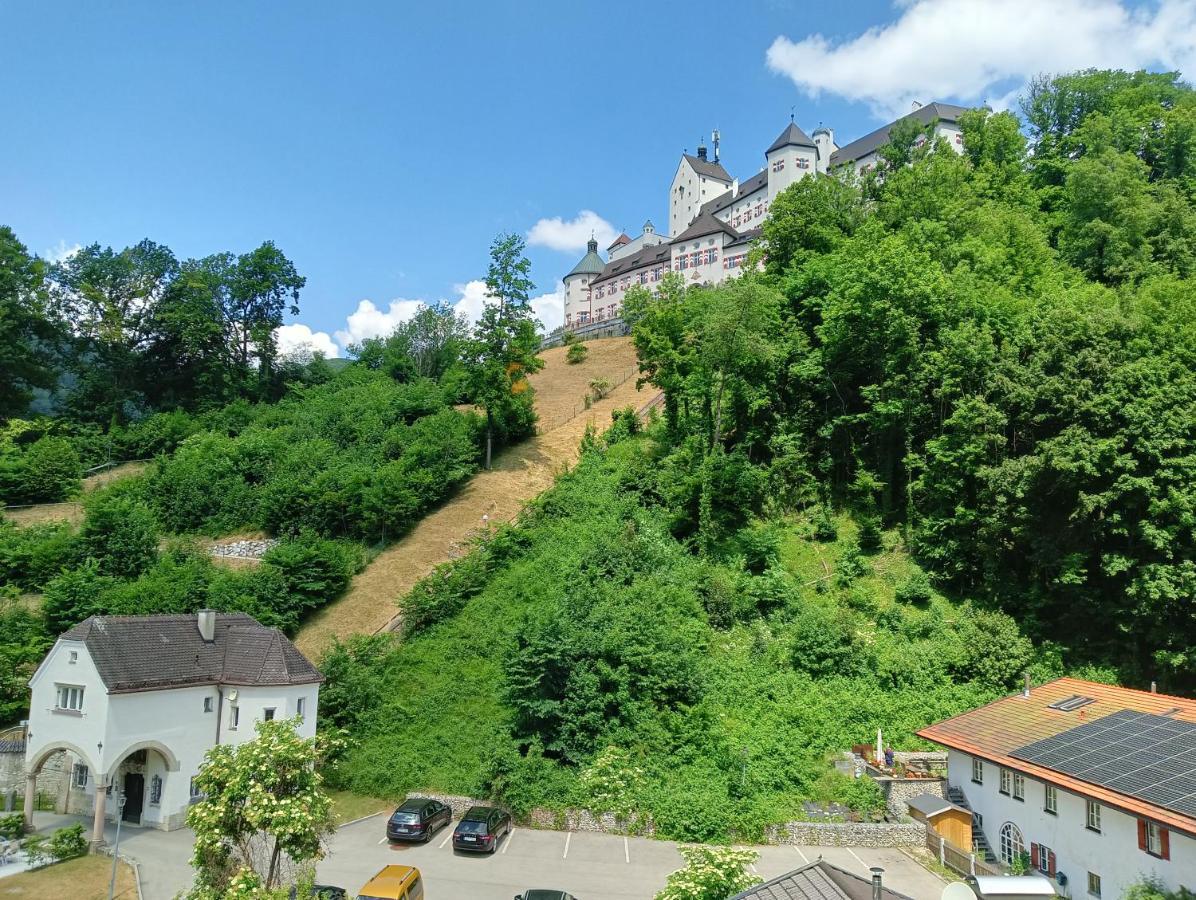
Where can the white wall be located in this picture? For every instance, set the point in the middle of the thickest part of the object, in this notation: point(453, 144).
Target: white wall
point(1112, 854)
point(85, 730)
point(789, 164)
point(577, 297)
point(685, 204)
point(705, 272)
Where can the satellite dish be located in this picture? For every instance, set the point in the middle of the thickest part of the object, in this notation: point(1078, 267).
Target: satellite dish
point(957, 890)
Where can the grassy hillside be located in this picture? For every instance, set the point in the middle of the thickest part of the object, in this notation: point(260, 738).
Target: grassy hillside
point(590, 657)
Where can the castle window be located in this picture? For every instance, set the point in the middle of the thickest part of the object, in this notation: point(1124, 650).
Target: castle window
point(695, 259)
point(683, 262)
point(69, 697)
point(803, 163)
point(79, 775)
point(155, 790)
point(778, 165)
point(711, 257)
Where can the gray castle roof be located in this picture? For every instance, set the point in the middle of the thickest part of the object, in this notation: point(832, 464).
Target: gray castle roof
point(724, 200)
point(818, 880)
point(591, 263)
point(791, 137)
point(703, 225)
point(138, 653)
point(857, 149)
point(708, 168)
point(645, 256)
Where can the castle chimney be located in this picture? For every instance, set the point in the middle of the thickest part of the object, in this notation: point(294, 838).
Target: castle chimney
point(206, 620)
point(1026, 689)
point(1154, 688)
point(877, 884)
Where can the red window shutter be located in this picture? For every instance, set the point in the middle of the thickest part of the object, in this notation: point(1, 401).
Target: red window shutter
point(1141, 834)
point(1034, 855)
point(1051, 862)
point(1164, 843)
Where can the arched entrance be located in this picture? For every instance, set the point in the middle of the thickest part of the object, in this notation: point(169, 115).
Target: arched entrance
point(83, 770)
point(140, 778)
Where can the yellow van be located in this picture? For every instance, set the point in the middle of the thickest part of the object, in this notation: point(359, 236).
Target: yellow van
point(394, 883)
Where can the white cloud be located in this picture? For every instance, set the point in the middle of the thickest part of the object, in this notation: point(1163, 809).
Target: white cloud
point(471, 298)
point(368, 321)
point(967, 49)
point(61, 252)
point(299, 337)
point(550, 308)
point(571, 236)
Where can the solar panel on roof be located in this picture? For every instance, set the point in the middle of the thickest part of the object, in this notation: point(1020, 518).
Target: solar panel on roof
point(1140, 755)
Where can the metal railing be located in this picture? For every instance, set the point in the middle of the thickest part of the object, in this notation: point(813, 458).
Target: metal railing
point(603, 328)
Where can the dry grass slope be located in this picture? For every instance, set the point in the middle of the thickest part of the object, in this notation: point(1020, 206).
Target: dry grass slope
point(72, 510)
point(519, 475)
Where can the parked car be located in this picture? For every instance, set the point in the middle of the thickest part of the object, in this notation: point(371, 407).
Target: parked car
point(417, 820)
point(539, 894)
point(480, 828)
point(393, 883)
point(321, 892)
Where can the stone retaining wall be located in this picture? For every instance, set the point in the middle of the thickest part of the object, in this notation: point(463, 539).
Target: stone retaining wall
point(899, 791)
point(247, 549)
point(820, 834)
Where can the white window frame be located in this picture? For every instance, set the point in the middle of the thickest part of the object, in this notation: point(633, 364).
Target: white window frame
point(1044, 859)
point(79, 775)
point(234, 717)
point(301, 707)
point(1050, 799)
point(1154, 839)
point(268, 714)
point(1011, 842)
point(207, 704)
point(68, 697)
point(1093, 882)
point(1006, 785)
point(1092, 815)
point(1019, 786)
point(977, 770)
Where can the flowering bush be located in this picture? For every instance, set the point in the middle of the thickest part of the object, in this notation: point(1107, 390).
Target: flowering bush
point(710, 873)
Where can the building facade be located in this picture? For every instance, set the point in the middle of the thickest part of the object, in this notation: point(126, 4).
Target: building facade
point(701, 190)
point(1094, 784)
point(134, 702)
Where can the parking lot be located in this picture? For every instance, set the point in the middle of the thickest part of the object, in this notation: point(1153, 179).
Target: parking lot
point(591, 866)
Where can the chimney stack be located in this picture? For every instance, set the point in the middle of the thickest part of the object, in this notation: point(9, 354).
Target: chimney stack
point(1026, 689)
point(207, 625)
point(877, 885)
point(1154, 688)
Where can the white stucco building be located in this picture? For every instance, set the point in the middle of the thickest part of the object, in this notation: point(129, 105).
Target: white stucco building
point(1097, 784)
point(136, 702)
point(727, 211)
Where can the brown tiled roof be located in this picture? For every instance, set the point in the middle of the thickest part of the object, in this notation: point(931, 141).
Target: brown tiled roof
point(619, 241)
point(818, 880)
point(140, 653)
point(995, 731)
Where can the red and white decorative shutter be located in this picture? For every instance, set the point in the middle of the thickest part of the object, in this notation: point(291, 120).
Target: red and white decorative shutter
point(1034, 855)
point(1141, 834)
point(1164, 843)
point(1050, 869)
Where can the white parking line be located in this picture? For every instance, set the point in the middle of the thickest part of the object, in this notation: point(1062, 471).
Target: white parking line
point(803, 856)
point(626, 851)
point(448, 837)
point(507, 844)
point(568, 837)
point(383, 841)
point(863, 865)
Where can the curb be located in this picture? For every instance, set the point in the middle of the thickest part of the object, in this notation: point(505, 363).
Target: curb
point(355, 821)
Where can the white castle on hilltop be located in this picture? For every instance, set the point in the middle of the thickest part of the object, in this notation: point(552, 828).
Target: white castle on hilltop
point(715, 217)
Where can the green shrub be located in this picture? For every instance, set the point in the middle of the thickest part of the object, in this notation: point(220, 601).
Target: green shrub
point(31, 556)
point(12, 826)
point(313, 570)
point(915, 590)
point(576, 353)
point(74, 595)
point(119, 532)
point(67, 843)
point(48, 470)
point(36, 848)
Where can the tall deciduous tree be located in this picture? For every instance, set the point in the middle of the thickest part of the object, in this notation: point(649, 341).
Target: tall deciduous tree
point(264, 286)
point(27, 333)
point(502, 351)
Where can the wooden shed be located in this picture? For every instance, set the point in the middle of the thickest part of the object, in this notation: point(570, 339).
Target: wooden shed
point(950, 822)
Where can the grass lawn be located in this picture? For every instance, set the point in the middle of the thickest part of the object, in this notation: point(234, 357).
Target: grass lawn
point(85, 878)
point(347, 806)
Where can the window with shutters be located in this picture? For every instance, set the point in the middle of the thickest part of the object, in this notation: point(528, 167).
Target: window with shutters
point(977, 771)
point(1006, 781)
point(1093, 884)
point(1154, 839)
point(1042, 858)
point(1092, 817)
point(1050, 799)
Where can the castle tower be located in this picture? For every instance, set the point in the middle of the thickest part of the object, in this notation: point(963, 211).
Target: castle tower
point(824, 140)
point(793, 155)
point(577, 285)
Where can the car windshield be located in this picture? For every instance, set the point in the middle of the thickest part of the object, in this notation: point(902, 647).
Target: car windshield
point(473, 827)
point(405, 818)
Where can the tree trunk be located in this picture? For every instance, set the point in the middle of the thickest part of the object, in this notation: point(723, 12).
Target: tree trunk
point(272, 874)
point(489, 435)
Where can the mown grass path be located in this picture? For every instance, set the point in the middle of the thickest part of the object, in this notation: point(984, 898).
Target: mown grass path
point(519, 475)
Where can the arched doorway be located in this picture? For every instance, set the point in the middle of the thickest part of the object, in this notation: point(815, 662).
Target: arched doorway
point(144, 776)
point(1011, 845)
point(78, 774)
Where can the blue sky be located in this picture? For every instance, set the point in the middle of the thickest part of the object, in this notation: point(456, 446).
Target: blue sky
point(383, 145)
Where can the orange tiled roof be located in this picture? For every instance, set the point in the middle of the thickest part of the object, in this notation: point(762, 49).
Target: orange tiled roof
point(996, 730)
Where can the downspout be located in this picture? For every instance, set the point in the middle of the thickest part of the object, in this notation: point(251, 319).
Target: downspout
point(219, 711)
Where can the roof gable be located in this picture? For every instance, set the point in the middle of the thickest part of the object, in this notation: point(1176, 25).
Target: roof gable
point(874, 140)
point(706, 167)
point(703, 225)
point(645, 256)
point(818, 880)
point(136, 653)
point(792, 136)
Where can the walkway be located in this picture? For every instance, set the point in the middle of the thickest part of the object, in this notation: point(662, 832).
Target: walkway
point(519, 475)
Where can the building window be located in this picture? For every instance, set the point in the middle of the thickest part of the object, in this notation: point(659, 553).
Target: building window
point(1012, 846)
point(74, 657)
point(1042, 858)
point(684, 262)
point(1093, 815)
point(1006, 781)
point(195, 792)
point(268, 714)
point(1093, 884)
point(155, 790)
point(695, 259)
point(977, 771)
point(69, 697)
point(803, 163)
point(1019, 786)
point(301, 707)
point(79, 775)
point(207, 704)
point(234, 717)
point(1154, 839)
point(711, 257)
point(1050, 799)
point(778, 165)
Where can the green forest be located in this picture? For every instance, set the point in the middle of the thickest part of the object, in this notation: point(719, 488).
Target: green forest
point(945, 436)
